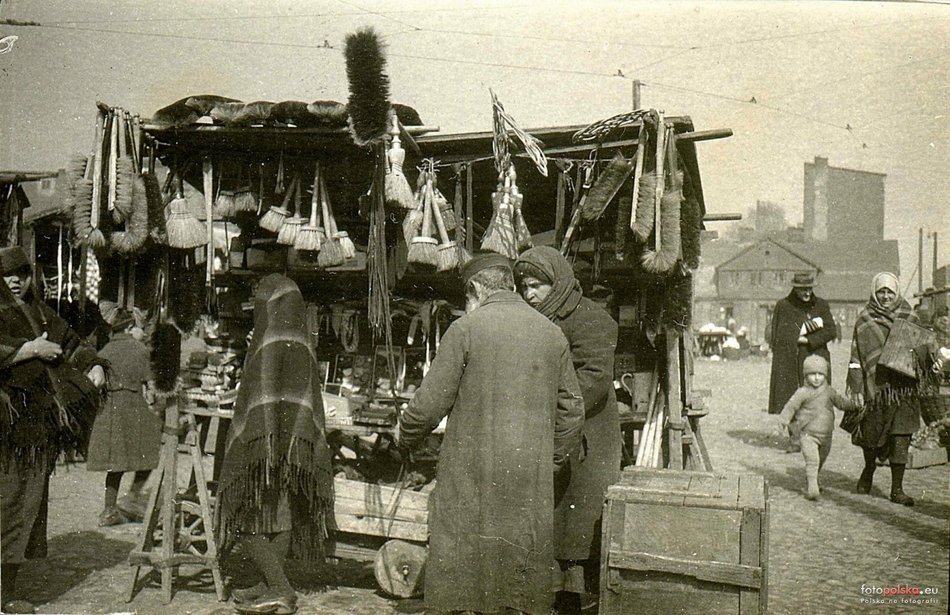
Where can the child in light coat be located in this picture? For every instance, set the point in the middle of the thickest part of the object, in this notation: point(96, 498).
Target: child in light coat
point(812, 409)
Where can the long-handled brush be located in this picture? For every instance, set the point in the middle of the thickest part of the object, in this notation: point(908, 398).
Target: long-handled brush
point(423, 249)
point(331, 253)
point(184, 230)
point(87, 231)
point(347, 249)
point(369, 86)
point(604, 190)
point(136, 225)
point(448, 249)
point(125, 175)
point(310, 236)
point(398, 192)
point(274, 217)
point(287, 235)
point(668, 242)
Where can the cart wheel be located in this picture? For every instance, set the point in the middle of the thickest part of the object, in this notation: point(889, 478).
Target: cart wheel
point(399, 568)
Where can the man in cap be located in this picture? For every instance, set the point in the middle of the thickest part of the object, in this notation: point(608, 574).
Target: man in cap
point(802, 325)
point(504, 376)
point(48, 400)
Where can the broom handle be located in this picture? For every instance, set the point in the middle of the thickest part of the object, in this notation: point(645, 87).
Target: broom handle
point(325, 206)
point(658, 195)
point(121, 138)
point(208, 175)
point(427, 210)
point(437, 214)
point(97, 170)
point(136, 123)
point(315, 197)
point(297, 192)
point(285, 203)
point(113, 154)
point(637, 174)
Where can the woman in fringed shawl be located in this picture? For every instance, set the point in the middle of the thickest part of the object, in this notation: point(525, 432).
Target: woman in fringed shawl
point(890, 398)
point(276, 486)
point(548, 284)
point(48, 401)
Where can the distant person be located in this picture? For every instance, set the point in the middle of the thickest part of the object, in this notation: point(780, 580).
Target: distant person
point(892, 412)
point(504, 377)
point(812, 409)
point(126, 436)
point(802, 325)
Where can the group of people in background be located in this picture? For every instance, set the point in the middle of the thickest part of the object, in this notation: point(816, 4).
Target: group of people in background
point(885, 402)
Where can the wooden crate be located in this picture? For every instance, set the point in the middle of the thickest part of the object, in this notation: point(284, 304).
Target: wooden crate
point(378, 510)
point(685, 542)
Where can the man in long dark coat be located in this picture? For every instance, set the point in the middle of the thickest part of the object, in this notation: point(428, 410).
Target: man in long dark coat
point(504, 375)
point(802, 325)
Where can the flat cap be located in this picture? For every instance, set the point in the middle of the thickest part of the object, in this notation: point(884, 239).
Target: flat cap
point(13, 260)
point(803, 280)
point(482, 261)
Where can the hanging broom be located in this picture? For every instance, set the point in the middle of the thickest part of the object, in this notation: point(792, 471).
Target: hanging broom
point(644, 214)
point(500, 235)
point(398, 192)
point(82, 204)
point(522, 234)
point(184, 230)
point(369, 86)
point(423, 249)
point(124, 172)
point(224, 200)
point(448, 250)
point(75, 172)
point(136, 225)
point(275, 216)
point(331, 253)
point(691, 224)
point(604, 190)
point(87, 231)
point(412, 223)
point(667, 231)
point(347, 249)
point(287, 234)
point(156, 207)
point(463, 254)
point(244, 197)
point(310, 236)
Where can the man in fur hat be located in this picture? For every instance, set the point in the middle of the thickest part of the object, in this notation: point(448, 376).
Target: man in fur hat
point(802, 325)
point(504, 376)
point(48, 400)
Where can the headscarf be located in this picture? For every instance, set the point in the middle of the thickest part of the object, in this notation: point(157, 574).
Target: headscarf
point(873, 326)
point(565, 291)
point(277, 440)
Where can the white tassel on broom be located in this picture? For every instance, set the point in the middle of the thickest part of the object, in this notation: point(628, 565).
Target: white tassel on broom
point(423, 249)
point(397, 189)
point(287, 235)
point(310, 237)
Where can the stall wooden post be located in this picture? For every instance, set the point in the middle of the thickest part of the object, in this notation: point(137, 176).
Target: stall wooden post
point(674, 400)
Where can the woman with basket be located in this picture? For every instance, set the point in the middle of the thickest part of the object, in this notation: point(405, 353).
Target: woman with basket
point(891, 408)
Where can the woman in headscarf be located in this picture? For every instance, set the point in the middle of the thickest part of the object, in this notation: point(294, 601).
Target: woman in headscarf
point(548, 284)
point(276, 486)
point(48, 401)
point(892, 407)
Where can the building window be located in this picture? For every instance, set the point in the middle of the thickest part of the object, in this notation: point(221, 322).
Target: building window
point(47, 184)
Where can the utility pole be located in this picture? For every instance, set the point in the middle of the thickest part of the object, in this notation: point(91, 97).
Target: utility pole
point(636, 94)
point(933, 272)
point(920, 260)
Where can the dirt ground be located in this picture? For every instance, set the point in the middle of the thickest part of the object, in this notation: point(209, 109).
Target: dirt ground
point(821, 553)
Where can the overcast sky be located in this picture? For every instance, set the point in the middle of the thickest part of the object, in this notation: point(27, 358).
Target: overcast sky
point(864, 84)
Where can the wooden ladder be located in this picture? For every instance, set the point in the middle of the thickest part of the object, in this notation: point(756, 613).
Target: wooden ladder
point(187, 534)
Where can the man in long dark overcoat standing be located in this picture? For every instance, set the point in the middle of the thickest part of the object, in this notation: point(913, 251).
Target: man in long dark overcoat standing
point(802, 325)
point(504, 376)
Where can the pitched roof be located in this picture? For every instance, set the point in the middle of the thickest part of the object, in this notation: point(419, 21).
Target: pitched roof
point(763, 255)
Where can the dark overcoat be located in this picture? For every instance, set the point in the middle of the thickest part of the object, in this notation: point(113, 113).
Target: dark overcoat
point(787, 354)
point(503, 374)
point(580, 488)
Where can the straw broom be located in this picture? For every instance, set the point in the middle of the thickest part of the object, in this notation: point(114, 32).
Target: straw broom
point(287, 235)
point(423, 249)
point(224, 201)
point(500, 235)
point(331, 254)
point(244, 198)
point(398, 192)
point(184, 230)
point(412, 223)
point(448, 249)
point(310, 236)
point(347, 249)
point(275, 216)
point(522, 233)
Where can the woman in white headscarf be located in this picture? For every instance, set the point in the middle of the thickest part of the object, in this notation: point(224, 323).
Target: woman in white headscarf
point(892, 407)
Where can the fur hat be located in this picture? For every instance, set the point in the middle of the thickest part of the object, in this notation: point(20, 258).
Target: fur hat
point(815, 364)
point(803, 280)
point(14, 260)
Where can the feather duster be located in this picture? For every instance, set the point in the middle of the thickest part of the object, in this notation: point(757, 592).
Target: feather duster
point(369, 86)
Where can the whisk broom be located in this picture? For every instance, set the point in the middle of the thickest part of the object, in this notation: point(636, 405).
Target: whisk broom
point(274, 217)
point(448, 250)
point(347, 249)
point(331, 253)
point(500, 235)
point(287, 235)
point(397, 189)
point(310, 236)
point(183, 229)
point(412, 223)
point(244, 197)
point(423, 249)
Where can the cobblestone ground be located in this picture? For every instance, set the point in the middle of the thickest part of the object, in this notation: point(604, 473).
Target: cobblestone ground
point(820, 553)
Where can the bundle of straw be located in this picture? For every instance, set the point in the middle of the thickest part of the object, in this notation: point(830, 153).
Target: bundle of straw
point(311, 235)
point(500, 236)
point(423, 248)
point(274, 217)
point(331, 252)
point(184, 230)
point(398, 192)
point(287, 235)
